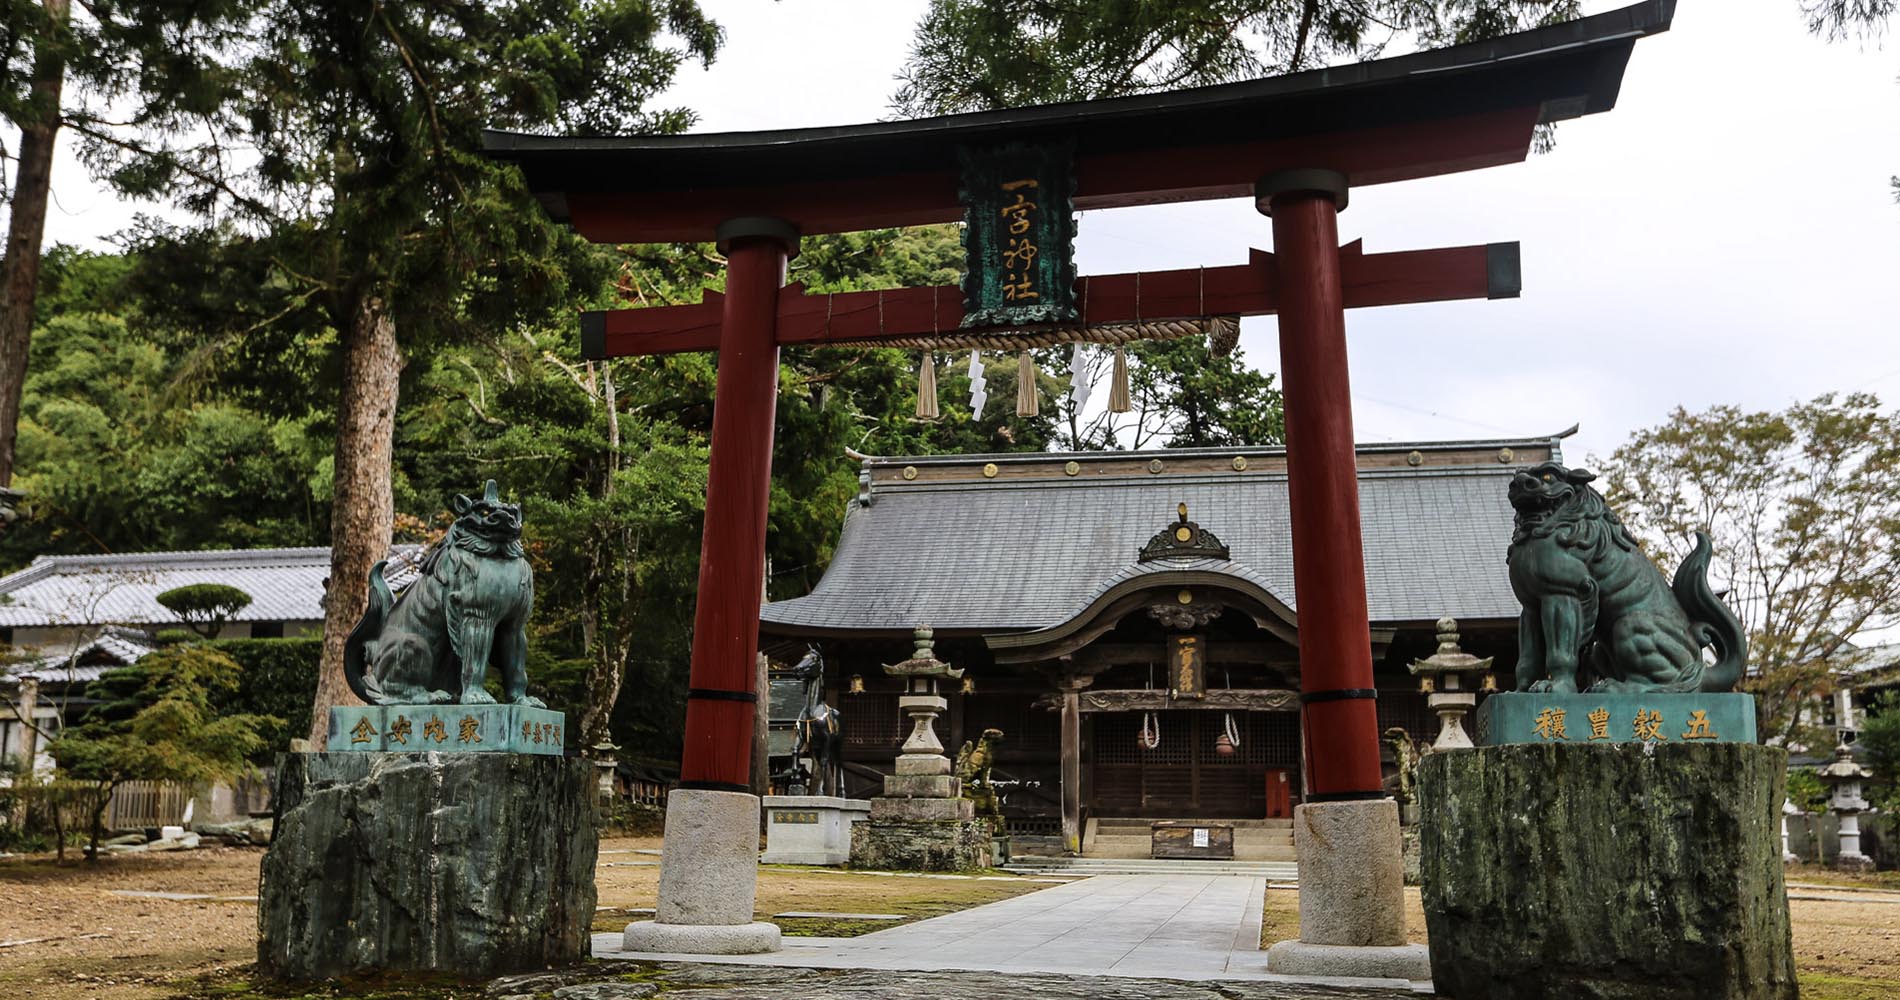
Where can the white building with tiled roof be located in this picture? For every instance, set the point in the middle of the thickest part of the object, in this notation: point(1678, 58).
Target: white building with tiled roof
point(68, 619)
point(62, 600)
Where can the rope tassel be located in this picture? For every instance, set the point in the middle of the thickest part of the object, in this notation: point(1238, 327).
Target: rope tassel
point(1027, 404)
point(927, 388)
point(1118, 401)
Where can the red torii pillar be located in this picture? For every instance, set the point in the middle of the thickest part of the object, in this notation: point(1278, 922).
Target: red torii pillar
point(1338, 712)
point(708, 877)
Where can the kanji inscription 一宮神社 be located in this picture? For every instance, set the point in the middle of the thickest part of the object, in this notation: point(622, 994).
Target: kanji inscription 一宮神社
point(1018, 235)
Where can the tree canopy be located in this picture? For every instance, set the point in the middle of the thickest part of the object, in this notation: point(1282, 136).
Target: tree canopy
point(1804, 508)
point(982, 55)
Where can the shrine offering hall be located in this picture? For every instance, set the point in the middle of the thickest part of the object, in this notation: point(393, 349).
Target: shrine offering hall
point(1127, 620)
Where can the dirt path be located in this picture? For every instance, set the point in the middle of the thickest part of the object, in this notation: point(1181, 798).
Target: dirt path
point(116, 947)
point(100, 945)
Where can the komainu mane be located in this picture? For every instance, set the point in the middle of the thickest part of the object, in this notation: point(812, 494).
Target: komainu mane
point(1598, 615)
point(468, 609)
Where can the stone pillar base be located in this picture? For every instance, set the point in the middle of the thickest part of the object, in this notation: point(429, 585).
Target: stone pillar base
point(1855, 862)
point(1352, 895)
point(709, 879)
point(1402, 961)
point(1606, 871)
point(700, 939)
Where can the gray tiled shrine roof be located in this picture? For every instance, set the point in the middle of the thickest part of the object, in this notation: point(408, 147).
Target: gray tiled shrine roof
point(1035, 544)
point(284, 584)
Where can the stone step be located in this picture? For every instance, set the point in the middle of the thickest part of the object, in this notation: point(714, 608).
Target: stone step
point(1114, 822)
point(1276, 871)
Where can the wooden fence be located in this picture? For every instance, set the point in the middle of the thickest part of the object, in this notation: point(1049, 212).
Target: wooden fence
point(139, 804)
point(651, 793)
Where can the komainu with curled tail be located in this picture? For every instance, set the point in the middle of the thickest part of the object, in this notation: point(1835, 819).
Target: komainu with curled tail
point(1598, 615)
point(467, 610)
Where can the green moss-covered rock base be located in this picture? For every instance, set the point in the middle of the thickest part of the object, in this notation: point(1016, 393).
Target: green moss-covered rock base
point(472, 864)
point(1605, 872)
point(922, 846)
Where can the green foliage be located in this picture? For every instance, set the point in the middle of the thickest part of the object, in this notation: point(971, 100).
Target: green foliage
point(1804, 508)
point(205, 607)
point(1806, 791)
point(276, 683)
point(981, 55)
point(157, 722)
point(1183, 397)
point(1880, 738)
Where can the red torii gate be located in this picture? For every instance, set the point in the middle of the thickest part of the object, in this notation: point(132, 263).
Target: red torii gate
point(1292, 142)
point(1316, 280)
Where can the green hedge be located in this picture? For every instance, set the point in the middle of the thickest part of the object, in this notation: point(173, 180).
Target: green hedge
point(280, 679)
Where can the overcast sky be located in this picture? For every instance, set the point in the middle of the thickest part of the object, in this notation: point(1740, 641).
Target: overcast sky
point(1725, 235)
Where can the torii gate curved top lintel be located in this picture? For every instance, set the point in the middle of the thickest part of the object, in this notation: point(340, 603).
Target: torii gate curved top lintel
point(1419, 115)
point(1293, 142)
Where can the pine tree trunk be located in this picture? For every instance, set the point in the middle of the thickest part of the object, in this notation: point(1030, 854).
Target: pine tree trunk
point(20, 271)
point(363, 508)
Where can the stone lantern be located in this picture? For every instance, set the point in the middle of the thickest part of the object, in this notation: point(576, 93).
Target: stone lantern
point(922, 821)
point(1449, 678)
point(923, 701)
point(604, 764)
point(1843, 776)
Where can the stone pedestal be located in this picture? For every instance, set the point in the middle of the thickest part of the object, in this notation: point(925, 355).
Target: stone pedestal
point(474, 864)
point(708, 879)
point(810, 829)
point(1352, 895)
point(1630, 870)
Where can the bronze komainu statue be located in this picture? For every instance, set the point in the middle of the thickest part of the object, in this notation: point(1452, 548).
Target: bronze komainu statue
point(1597, 613)
point(468, 609)
point(819, 731)
point(974, 761)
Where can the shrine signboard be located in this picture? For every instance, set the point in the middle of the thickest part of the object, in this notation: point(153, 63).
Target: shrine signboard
point(1018, 235)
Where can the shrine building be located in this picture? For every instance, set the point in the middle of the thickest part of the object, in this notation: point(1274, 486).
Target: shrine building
point(1141, 662)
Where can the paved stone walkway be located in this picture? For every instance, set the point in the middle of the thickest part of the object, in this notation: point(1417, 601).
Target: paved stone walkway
point(1181, 927)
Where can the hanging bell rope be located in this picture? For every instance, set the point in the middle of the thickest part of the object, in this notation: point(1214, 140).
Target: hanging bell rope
point(927, 387)
point(1150, 736)
point(1118, 398)
point(1027, 403)
point(1231, 730)
point(979, 386)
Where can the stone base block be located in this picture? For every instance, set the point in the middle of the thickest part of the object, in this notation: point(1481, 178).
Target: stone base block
point(922, 786)
point(887, 810)
point(701, 939)
point(1352, 873)
point(1852, 863)
point(957, 846)
point(1607, 872)
point(709, 871)
point(1402, 961)
point(923, 763)
point(810, 829)
point(447, 728)
point(474, 864)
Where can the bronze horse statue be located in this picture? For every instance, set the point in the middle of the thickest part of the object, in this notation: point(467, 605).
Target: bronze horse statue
point(819, 733)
